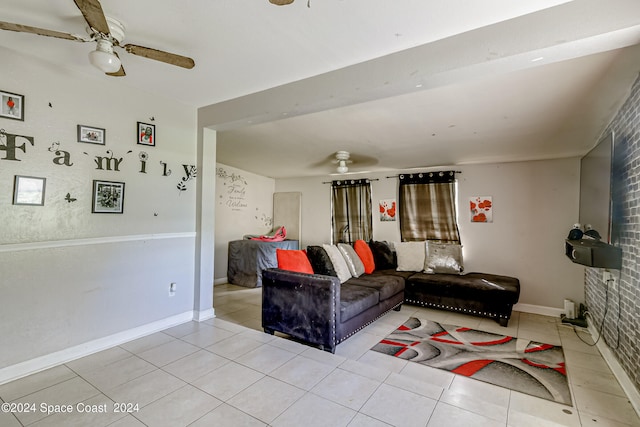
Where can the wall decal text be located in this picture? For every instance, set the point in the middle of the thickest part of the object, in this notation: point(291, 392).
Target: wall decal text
point(166, 172)
point(190, 173)
point(107, 163)
point(9, 146)
point(143, 156)
point(236, 189)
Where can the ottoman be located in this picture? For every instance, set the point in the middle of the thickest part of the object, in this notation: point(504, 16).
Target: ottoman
point(480, 294)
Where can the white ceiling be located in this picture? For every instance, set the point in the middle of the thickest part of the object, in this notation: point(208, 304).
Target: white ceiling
point(400, 84)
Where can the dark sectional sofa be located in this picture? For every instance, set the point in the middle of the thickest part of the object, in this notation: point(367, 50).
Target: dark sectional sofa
point(318, 310)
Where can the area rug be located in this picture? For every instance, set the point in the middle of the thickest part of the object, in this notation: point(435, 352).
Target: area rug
point(518, 364)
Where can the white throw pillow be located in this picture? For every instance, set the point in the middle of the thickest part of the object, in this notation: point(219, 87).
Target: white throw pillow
point(411, 255)
point(339, 264)
point(443, 258)
point(356, 267)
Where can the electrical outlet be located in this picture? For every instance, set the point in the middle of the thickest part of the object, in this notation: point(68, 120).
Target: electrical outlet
point(608, 277)
point(172, 289)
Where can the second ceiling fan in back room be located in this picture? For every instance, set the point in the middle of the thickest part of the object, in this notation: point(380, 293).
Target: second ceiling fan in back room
point(342, 160)
point(107, 33)
point(286, 2)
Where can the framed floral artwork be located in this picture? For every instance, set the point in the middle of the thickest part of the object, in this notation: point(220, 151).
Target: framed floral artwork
point(387, 210)
point(481, 209)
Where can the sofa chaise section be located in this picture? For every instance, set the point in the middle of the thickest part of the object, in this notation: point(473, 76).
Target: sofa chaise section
point(479, 294)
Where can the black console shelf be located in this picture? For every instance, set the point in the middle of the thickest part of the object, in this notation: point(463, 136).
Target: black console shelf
point(593, 253)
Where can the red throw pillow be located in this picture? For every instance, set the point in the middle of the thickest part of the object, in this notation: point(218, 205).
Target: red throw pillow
point(293, 260)
point(366, 256)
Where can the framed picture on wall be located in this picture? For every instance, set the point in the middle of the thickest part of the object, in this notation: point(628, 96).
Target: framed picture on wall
point(108, 197)
point(28, 190)
point(92, 135)
point(146, 134)
point(11, 105)
point(481, 208)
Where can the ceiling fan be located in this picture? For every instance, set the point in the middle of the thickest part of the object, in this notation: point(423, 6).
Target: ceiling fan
point(343, 159)
point(107, 33)
point(285, 2)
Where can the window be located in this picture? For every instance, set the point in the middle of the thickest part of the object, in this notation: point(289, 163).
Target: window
point(427, 207)
point(351, 205)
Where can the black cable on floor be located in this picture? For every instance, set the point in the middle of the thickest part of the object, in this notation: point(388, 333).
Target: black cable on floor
point(604, 316)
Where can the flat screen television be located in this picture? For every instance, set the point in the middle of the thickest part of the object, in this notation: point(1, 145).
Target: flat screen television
point(596, 202)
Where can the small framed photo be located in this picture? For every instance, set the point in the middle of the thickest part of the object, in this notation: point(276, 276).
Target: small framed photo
point(12, 105)
point(28, 190)
point(108, 197)
point(92, 135)
point(146, 134)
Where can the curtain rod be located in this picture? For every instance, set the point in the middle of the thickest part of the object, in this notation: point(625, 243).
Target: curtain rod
point(395, 176)
point(369, 179)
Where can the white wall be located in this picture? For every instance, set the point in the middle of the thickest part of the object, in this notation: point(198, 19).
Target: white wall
point(244, 205)
point(69, 276)
point(535, 204)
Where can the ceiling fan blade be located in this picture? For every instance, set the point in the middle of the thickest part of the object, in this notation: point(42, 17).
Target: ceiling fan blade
point(363, 160)
point(40, 31)
point(280, 2)
point(159, 55)
point(93, 14)
point(327, 161)
point(120, 72)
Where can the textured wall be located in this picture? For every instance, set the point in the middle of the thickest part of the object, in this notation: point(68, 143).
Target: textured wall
point(622, 298)
point(69, 276)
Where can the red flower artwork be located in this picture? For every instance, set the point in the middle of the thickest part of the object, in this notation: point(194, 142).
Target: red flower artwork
point(481, 209)
point(485, 204)
point(481, 217)
point(392, 211)
point(387, 210)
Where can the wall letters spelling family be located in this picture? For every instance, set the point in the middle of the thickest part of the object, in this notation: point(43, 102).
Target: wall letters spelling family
point(11, 145)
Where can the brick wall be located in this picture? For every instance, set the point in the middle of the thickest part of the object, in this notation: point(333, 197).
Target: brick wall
point(622, 320)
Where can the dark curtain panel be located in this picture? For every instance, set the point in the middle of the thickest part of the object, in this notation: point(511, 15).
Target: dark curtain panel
point(351, 202)
point(427, 207)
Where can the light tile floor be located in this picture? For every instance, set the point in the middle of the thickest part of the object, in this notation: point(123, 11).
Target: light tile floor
point(226, 372)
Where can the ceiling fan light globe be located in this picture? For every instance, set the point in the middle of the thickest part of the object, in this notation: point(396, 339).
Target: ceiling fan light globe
point(342, 167)
point(103, 57)
point(107, 62)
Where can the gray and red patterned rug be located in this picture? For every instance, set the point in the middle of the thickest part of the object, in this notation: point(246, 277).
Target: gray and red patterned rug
point(518, 364)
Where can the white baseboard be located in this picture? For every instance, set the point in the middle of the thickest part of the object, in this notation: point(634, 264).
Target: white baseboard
point(47, 361)
point(538, 309)
point(625, 382)
point(200, 316)
point(221, 281)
